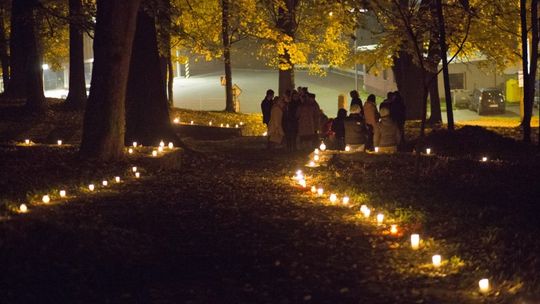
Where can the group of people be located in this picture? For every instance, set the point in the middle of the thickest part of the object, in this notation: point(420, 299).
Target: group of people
point(297, 117)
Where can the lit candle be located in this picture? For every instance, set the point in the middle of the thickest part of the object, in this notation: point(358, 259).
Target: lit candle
point(380, 218)
point(171, 145)
point(428, 151)
point(316, 151)
point(376, 149)
point(134, 169)
point(91, 187)
point(117, 179)
point(265, 133)
point(105, 183)
point(333, 198)
point(23, 208)
point(130, 151)
point(46, 199)
point(483, 284)
point(366, 212)
point(313, 189)
point(415, 241)
point(27, 141)
point(436, 259)
point(484, 159)
point(226, 126)
point(320, 191)
point(191, 122)
point(177, 120)
point(134, 144)
point(345, 200)
point(62, 193)
point(221, 125)
point(236, 126)
point(316, 158)
point(322, 146)
point(59, 142)
point(154, 153)
point(393, 229)
point(312, 164)
point(137, 174)
point(363, 208)
point(210, 123)
point(303, 183)
point(299, 172)
point(347, 148)
point(241, 123)
point(160, 149)
point(161, 144)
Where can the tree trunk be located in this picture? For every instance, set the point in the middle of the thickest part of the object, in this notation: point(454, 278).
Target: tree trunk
point(408, 76)
point(104, 121)
point(163, 19)
point(26, 71)
point(4, 57)
point(286, 80)
point(77, 86)
point(148, 120)
point(526, 122)
point(286, 23)
point(170, 81)
point(534, 52)
point(446, 76)
point(434, 99)
point(226, 39)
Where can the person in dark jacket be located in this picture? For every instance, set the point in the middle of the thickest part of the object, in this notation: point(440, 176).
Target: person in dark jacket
point(355, 130)
point(338, 128)
point(355, 99)
point(398, 114)
point(266, 106)
point(290, 121)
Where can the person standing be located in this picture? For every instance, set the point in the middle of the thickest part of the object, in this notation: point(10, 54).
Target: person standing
point(275, 126)
point(266, 106)
point(371, 116)
point(308, 120)
point(398, 113)
point(290, 121)
point(338, 128)
point(355, 99)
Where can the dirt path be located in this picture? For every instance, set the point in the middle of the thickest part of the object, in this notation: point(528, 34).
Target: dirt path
point(229, 229)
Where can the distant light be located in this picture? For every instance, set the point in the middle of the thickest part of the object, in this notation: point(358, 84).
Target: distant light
point(137, 174)
point(46, 199)
point(376, 149)
point(130, 151)
point(330, 14)
point(134, 169)
point(428, 151)
point(484, 159)
point(59, 142)
point(105, 183)
point(134, 144)
point(27, 141)
point(91, 187)
point(62, 193)
point(347, 148)
point(117, 179)
point(176, 120)
point(45, 66)
point(191, 122)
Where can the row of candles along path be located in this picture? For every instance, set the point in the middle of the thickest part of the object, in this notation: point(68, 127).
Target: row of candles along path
point(316, 158)
point(62, 194)
point(23, 208)
point(160, 148)
point(436, 259)
point(210, 123)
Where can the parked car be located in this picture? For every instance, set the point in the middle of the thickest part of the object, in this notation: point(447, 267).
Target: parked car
point(487, 100)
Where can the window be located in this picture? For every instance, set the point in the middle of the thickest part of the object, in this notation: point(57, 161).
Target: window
point(457, 81)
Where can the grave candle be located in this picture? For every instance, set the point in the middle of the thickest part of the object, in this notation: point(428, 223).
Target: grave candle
point(322, 146)
point(415, 241)
point(23, 208)
point(46, 199)
point(171, 145)
point(91, 187)
point(483, 284)
point(154, 153)
point(380, 218)
point(59, 142)
point(428, 151)
point(137, 174)
point(134, 169)
point(333, 198)
point(345, 200)
point(436, 259)
point(117, 179)
point(393, 229)
point(376, 149)
point(62, 193)
point(320, 191)
point(347, 148)
point(105, 183)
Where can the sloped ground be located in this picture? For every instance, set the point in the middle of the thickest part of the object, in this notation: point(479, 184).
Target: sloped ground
point(224, 229)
